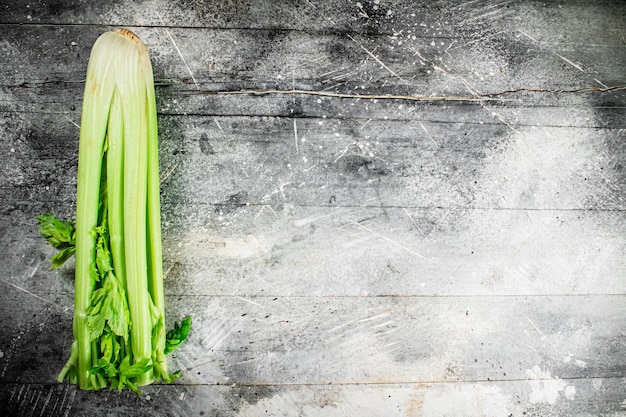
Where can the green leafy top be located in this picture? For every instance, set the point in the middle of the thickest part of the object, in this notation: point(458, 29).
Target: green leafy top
point(108, 316)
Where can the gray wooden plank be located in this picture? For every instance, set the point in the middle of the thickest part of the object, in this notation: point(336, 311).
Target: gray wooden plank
point(440, 16)
point(206, 161)
point(374, 340)
point(538, 397)
point(587, 110)
point(381, 252)
point(206, 61)
point(265, 340)
point(368, 251)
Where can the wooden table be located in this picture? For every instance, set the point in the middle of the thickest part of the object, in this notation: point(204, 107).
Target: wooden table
point(370, 208)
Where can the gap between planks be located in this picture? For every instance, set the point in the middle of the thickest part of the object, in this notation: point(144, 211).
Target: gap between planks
point(395, 383)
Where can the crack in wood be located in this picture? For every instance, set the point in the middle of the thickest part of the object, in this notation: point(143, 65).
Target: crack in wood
point(478, 98)
point(262, 92)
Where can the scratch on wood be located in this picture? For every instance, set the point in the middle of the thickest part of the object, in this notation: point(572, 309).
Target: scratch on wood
point(414, 222)
point(599, 82)
point(295, 135)
point(386, 332)
point(168, 172)
point(26, 291)
point(572, 63)
point(218, 124)
point(428, 134)
point(340, 326)
point(18, 395)
point(449, 46)
point(569, 61)
point(376, 317)
point(419, 255)
point(472, 90)
point(169, 35)
point(217, 336)
point(248, 301)
point(272, 210)
point(543, 336)
point(343, 152)
point(332, 72)
point(419, 55)
point(36, 400)
point(376, 59)
point(325, 90)
point(461, 6)
point(71, 121)
point(492, 15)
point(44, 408)
point(386, 323)
point(67, 407)
point(528, 36)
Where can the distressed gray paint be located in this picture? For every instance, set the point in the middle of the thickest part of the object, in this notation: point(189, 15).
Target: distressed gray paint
point(342, 256)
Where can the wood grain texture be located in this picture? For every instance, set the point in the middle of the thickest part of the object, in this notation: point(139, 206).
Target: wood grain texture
point(369, 208)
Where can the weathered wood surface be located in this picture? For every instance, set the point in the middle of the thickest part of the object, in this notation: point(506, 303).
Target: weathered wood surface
point(342, 256)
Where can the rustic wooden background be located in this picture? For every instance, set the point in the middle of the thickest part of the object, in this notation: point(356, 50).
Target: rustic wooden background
point(425, 216)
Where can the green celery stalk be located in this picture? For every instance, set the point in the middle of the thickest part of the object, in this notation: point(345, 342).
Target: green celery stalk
point(133, 92)
point(95, 113)
point(119, 306)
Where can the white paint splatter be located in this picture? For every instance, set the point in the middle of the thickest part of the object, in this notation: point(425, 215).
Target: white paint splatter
point(570, 392)
point(545, 388)
point(580, 364)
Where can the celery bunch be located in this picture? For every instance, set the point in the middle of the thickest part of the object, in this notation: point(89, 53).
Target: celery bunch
point(119, 313)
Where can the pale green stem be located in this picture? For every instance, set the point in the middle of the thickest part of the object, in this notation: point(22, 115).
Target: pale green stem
point(155, 270)
point(115, 187)
point(135, 210)
point(95, 112)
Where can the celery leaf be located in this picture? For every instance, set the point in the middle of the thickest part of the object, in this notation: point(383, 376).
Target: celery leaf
point(177, 335)
point(61, 235)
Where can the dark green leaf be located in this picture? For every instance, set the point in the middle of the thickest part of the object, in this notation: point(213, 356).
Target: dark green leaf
point(177, 335)
point(59, 259)
point(61, 235)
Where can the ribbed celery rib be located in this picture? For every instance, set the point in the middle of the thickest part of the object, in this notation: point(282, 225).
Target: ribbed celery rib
point(119, 149)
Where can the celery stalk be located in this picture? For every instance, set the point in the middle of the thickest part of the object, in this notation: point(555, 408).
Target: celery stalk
point(133, 94)
point(155, 261)
point(115, 184)
point(119, 307)
point(95, 112)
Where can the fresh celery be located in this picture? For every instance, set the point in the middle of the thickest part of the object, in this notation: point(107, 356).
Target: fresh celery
point(119, 312)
